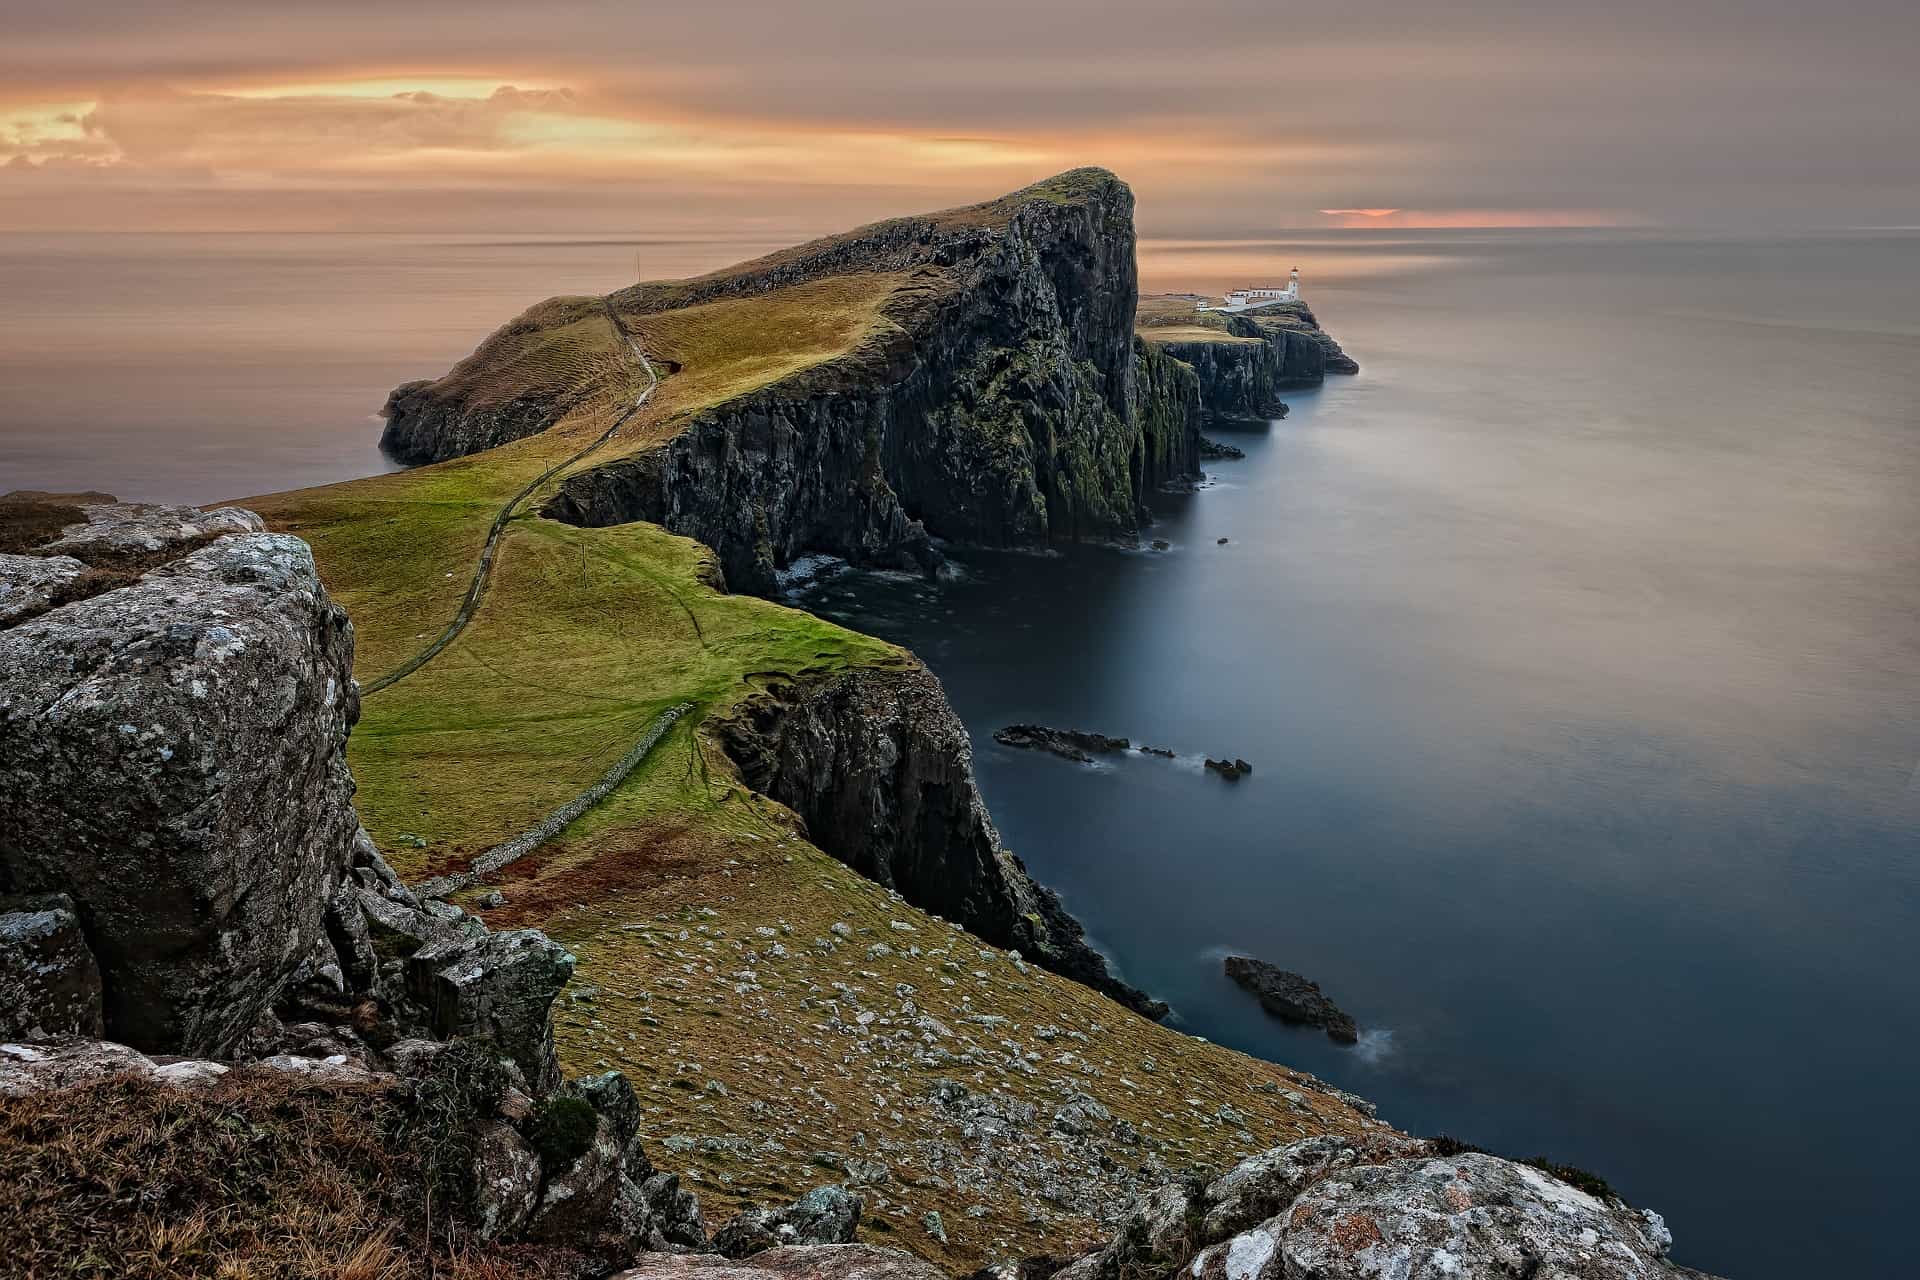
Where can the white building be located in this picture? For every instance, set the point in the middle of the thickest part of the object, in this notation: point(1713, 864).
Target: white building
point(1249, 298)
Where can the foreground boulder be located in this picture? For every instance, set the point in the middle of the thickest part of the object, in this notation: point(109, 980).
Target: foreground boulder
point(171, 750)
point(1329, 1209)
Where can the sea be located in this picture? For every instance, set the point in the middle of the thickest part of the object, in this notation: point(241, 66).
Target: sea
point(1574, 643)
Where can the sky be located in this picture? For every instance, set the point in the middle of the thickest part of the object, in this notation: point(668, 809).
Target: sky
point(1228, 117)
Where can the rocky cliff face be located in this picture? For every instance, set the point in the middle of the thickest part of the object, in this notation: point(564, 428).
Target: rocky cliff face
point(880, 769)
point(1238, 381)
point(524, 378)
point(1303, 352)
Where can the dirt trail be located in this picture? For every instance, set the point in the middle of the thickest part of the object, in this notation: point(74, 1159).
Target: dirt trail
point(484, 569)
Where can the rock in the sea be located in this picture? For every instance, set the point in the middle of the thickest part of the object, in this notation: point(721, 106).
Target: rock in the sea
point(1328, 1208)
point(172, 756)
point(49, 983)
point(1077, 745)
point(1210, 448)
point(815, 1262)
point(1291, 997)
point(1231, 770)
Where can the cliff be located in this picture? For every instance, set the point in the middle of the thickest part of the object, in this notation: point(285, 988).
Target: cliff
point(880, 769)
point(1242, 359)
point(989, 398)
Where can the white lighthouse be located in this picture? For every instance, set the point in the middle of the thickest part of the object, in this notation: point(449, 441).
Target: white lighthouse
point(1251, 297)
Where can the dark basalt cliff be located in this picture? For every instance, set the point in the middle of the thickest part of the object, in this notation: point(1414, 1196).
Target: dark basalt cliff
point(1238, 381)
point(1304, 352)
point(879, 768)
point(1001, 409)
point(1243, 359)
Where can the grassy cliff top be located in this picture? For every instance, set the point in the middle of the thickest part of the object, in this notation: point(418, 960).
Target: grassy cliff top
point(787, 1023)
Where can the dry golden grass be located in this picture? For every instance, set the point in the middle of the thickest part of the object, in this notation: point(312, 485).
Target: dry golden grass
point(259, 1176)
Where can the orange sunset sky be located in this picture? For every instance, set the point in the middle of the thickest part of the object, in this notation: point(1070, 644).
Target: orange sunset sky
point(1230, 117)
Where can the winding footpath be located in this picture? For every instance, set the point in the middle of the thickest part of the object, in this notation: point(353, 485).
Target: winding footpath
point(554, 823)
point(484, 569)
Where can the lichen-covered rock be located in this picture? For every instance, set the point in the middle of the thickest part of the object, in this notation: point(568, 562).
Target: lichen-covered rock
point(1469, 1217)
point(577, 1199)
point(825, 1215)
point(172, 756)
point(49, 984)
point(29, 585)
point(121, 530)
point(1262, 1185)
point(506, 1181)
point(1327, 1208)
point(815, 1262)
point(880, 769)
point(32, 1068)
point(673, 1214)
point(499, 987)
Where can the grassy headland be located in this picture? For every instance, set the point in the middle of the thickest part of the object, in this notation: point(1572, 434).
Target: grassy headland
point(786, 1022)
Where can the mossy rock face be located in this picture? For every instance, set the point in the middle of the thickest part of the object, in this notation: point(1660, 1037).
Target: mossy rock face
point(561, 1129)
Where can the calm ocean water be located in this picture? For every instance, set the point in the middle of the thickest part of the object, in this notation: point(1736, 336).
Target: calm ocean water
point(1576, 645)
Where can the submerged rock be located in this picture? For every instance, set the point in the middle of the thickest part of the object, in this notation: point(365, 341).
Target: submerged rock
point(1070, 744)
point(1291, 997)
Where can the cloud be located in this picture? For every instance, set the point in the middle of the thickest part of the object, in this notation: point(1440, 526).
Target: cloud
point(1229, 116)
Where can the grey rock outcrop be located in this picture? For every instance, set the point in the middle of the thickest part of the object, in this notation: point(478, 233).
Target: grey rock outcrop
point(817, 1262)
point(506, 1181)
point(1292, 998)
point(49, 983)
point(171, 751)
point(1329, 1209)
point(31, 585)
point(122, 530)
point(825, 1215)
point(880, 769)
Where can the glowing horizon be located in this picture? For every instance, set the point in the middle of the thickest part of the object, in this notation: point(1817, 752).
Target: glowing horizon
point(1226, 122)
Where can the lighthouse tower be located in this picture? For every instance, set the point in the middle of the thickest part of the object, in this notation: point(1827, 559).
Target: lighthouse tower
point(1293, 284)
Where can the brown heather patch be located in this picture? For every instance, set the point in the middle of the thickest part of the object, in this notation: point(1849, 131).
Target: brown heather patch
point(257, 1175)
